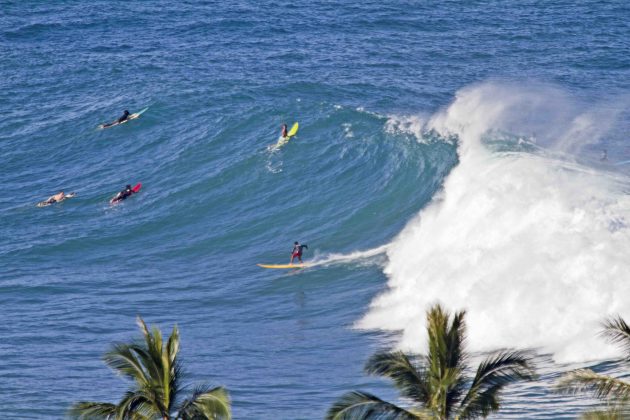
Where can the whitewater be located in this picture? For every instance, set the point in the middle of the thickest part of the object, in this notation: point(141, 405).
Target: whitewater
point(532, 244)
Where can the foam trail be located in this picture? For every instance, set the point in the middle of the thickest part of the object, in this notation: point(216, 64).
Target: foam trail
point(533, 247)
point(330, 259)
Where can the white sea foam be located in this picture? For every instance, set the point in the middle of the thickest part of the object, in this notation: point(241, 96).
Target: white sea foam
point(407, 124)
point(535, 249)
point(367, 256)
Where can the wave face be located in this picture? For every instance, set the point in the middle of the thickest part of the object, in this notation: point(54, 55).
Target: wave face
point(532, 244)
point(507, 213)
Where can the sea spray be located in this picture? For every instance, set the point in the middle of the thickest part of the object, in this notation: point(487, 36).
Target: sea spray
point(533, 247)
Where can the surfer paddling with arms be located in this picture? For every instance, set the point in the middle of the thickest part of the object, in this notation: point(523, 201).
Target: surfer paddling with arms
point(122, 119)
point(284, 133)
point(297, 251)
point(55, 199)
point(127, 192)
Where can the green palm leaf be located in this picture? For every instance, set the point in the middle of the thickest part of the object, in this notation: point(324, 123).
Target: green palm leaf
point(618, 332)
point(206, 403)
point(602, 386)
point(408, 379)
point(123, 360)
point(154, 368)
point(362, 406)
point(493, 374)
point(85, 410)
point(446, 360)
point(437, 383)
point(610, 414)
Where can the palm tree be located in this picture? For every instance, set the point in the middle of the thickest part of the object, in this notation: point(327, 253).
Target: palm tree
point(435, 384)
point(154, 368)
point(615, 392)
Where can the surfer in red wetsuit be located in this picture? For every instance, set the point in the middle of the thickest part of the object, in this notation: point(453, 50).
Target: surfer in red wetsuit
point(297, 251)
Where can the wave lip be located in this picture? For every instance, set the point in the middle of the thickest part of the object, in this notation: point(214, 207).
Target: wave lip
point(533, 247)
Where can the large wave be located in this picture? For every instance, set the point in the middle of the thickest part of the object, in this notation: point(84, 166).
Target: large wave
point(532, 245)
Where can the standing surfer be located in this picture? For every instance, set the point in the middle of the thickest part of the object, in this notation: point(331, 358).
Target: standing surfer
point(297, 251)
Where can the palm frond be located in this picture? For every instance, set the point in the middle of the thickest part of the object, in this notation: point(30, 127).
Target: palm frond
point(122, 359)
point(137, 404)
point(445, 360)
point(609, 414)
point(617, 331)
point(601, 386)
point(409, 380)
point(206, 403)
point(363, 406)
point(493, 374)
point(86, 410)
point(446, 342)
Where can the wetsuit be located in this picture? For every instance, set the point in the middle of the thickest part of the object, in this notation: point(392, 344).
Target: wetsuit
point(123, 194)
point(124, 117)
point(297, 251)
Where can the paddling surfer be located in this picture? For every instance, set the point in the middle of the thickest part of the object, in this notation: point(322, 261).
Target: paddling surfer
point(128, 191)
point(56, 198)
point(125, 116)
point(297, 251)
point(284, 133)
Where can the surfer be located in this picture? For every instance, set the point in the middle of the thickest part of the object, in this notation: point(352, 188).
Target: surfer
point(123, 118)
point(604, 156)
point(56, 198)
point(122, 195)
point(284, 132)
point(297, 251)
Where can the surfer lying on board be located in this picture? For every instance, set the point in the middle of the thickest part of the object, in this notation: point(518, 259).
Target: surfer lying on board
point(122, 119)
point(123, 194)
point(58, 197)
point(284, 133)
point(297, 251)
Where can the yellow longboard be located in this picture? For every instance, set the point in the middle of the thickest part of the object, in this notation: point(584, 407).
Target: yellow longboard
point(282, 265)
point(292, 132)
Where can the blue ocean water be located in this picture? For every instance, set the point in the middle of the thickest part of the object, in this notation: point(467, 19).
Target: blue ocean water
point(392, 100)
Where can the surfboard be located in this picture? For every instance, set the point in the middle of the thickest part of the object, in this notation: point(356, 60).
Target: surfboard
point(292, 132)
point(134, 189)
point(46, 204)
point(282, 266)
point(129, 118)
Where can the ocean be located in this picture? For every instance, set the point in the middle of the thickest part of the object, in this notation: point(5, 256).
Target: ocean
point(448, 152)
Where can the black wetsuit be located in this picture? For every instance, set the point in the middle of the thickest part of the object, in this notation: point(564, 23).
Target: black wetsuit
point(124, 117)
point(124, 194)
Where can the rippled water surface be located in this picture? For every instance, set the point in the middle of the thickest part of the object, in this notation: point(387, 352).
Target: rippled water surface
point(419, 124)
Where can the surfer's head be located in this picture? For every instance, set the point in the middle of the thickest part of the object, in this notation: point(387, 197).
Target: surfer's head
point(126, 112)
point(128, 187)
point(295, 243)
